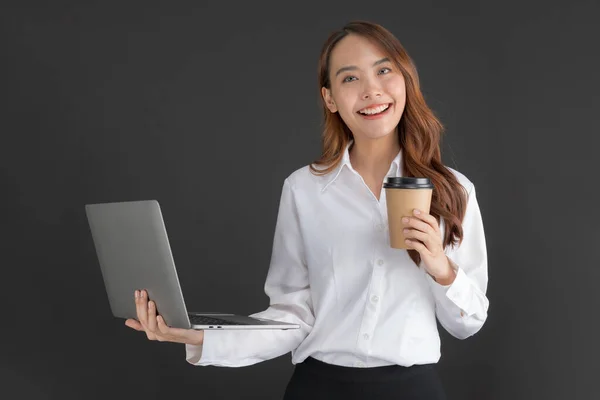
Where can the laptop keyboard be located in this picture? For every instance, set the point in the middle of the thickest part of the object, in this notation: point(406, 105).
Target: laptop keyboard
point(204, 320)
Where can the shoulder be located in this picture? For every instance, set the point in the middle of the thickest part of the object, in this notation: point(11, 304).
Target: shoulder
point(462, 179)
point(304, 179)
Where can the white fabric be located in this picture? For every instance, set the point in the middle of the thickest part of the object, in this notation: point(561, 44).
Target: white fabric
point(358, 302)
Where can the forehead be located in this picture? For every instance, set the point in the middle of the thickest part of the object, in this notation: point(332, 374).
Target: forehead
point(355, 50)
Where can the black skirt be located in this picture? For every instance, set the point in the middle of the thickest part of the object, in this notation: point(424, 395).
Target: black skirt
point(316, 380)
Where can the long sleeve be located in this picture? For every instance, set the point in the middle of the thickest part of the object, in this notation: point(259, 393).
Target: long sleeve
point(290, 301)
point(462, 306)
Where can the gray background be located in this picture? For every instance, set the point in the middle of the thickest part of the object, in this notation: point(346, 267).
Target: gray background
point(208, 108)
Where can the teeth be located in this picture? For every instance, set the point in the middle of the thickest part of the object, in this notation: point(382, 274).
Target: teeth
point(376, 110)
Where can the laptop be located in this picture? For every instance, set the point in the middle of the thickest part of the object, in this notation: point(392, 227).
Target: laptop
point(133, 251)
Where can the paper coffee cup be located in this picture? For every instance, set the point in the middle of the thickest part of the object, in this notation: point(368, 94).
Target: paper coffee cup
point(403, 195)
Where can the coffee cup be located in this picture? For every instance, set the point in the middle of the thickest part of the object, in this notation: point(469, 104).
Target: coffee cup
point(403, 195)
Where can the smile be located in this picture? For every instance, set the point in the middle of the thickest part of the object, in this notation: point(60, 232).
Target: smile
point(374, 112)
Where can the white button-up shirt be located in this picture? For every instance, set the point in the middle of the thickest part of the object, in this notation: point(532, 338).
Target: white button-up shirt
point(358, 302)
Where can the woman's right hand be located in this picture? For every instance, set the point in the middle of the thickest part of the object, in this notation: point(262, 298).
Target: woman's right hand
point(155, 326)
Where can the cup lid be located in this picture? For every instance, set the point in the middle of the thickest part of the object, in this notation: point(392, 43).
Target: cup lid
point(408, 182)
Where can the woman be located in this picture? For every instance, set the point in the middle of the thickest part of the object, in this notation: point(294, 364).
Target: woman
point(367, 312)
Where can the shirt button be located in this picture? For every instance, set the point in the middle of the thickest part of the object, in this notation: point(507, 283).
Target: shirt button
point(374, 299)
point(360, 364)
point(380, 262)
point(379, 227)
point(366, 336)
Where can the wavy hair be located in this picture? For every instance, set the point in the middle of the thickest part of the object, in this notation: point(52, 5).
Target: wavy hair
point(419, 132)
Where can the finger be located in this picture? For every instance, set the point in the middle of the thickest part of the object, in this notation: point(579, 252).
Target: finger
point(431, 240)
point(421, 236)
point(138, 306)
point(151, 316)
point(173, 334)
point(164, 331)
point(143, 309)
point(427, 218)
point(146, 312)
point(162, 326)
point(418, 246)
point(132, 323)
point(412, 222)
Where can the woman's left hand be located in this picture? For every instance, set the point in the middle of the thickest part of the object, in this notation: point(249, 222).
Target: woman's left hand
point(422, 234)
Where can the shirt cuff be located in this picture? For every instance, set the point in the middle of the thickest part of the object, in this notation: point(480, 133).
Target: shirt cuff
point(193, 353)
point(458, 292)
point(202, 354)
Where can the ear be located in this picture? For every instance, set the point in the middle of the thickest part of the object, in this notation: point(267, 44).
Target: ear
point(328, 99)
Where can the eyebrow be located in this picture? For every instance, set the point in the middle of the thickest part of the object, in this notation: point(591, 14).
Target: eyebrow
point(353, 67)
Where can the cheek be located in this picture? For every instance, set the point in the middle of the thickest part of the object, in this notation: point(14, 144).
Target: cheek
point(346, 114)
point(396, 88)
point(344, 106)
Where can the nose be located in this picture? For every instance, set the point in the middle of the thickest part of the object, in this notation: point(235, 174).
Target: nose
point(371, 89)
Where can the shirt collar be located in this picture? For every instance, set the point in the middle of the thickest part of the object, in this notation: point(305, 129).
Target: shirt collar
point(395, 166)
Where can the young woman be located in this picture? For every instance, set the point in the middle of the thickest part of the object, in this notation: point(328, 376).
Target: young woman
point(367, 312)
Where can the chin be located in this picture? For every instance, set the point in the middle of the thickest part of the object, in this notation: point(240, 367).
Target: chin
point(380, 133)
point(377, 132)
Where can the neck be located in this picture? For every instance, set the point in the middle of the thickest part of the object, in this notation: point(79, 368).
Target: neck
point(373, 157)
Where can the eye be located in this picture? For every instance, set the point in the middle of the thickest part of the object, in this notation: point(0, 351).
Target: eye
point(348, 77)
point(382, 69)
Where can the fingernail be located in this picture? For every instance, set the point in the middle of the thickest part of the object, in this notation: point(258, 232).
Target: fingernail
point(405, 220)
point(405, 231)
point(136, 294)
point(417, 212)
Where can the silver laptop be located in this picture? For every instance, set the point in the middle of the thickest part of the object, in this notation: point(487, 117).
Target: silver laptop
point(133, 251)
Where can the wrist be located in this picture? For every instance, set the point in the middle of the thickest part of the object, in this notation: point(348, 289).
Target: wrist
point(447, 277)
point(198, 339)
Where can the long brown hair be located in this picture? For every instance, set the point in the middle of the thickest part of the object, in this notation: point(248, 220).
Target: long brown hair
point(419, 132)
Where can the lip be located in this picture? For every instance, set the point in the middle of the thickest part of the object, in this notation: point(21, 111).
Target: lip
point(376, 115)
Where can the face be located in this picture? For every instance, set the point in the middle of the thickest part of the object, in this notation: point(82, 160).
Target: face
point(364, 81)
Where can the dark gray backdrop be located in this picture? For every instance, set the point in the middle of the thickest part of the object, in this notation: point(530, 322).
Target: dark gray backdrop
point(194, 105)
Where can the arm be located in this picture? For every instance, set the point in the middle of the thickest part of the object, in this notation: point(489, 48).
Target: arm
point(290, 301)
point(461, 306)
